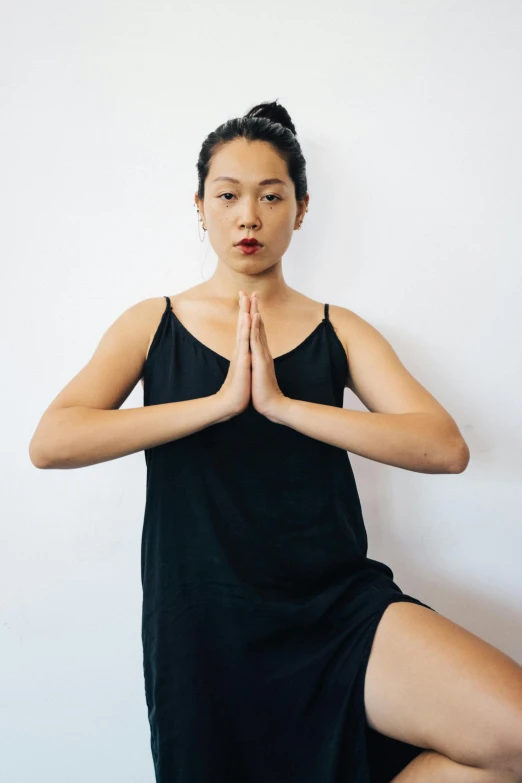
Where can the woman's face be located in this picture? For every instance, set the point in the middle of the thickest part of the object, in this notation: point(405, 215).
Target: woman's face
point(232, 211)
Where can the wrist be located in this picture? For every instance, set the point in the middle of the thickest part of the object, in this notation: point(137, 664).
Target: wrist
point(278, 409)
point(225, 410)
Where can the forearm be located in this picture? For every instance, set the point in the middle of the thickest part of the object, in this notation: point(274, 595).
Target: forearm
point(414, 441)
point(79, 436)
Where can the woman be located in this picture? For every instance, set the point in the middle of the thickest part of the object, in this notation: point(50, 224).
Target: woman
point(275, 650)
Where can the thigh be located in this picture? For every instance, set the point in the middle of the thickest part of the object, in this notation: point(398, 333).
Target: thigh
point(431, 683)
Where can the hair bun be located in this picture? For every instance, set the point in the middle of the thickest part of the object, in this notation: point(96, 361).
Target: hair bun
point(274, 112)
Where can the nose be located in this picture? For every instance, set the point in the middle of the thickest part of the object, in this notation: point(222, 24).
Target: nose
point(250, 218)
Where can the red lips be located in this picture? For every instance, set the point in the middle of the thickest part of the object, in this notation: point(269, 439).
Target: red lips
point(248, 242)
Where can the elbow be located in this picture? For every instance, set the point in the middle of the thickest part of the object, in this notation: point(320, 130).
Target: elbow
point(460, 457)
point(46, 441)
point(37, 458)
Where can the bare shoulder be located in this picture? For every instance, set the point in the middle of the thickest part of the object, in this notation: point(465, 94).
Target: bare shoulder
point(149, 314)
point(116, 364)
point(347, 323)
point(358, 336)
point(142, 319)
point(376, 374)
point(150, 311)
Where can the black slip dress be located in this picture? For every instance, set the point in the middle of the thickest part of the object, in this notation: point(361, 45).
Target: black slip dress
point(260, 604)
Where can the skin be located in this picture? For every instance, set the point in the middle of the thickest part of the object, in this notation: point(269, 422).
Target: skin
point(270, 213)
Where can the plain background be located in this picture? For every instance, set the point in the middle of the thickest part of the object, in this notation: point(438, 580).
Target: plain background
point(410, 119)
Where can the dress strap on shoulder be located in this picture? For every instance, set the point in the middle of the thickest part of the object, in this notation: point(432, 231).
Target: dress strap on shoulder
point(326, 312)
point(168, 302)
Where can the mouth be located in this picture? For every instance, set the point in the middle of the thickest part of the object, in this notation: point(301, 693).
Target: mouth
point(249, 243)
point(248, 248)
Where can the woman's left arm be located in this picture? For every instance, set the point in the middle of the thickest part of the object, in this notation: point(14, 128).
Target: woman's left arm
point(405, 426)
point(422, 442)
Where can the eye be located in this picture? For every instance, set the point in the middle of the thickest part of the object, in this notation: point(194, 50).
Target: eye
point(272, 195)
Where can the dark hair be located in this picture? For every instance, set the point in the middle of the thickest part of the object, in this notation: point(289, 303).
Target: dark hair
point(264, 122)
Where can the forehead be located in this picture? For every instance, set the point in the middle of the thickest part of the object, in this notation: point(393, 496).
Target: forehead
point(249, 162)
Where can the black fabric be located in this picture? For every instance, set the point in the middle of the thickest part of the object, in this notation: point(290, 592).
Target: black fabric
point(260, 604)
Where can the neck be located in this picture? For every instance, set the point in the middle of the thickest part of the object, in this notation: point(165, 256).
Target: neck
point(270, 286)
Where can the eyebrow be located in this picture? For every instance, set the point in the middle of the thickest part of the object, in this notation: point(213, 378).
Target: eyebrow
point(272, 181)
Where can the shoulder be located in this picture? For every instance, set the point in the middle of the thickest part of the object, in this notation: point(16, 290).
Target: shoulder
point(146, 311)
point(348, 323)
point(350, 326)
point(139, 317)
point(361, 340)
point(148, 314)
point(143, 319)
point(377, 375)
point(345, 323)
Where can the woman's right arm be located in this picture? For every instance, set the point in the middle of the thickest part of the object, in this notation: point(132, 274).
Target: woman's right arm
point(83, 425)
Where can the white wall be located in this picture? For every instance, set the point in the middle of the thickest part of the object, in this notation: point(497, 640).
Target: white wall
point(409, 115)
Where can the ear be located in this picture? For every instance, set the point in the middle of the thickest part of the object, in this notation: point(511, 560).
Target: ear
point(302, 206)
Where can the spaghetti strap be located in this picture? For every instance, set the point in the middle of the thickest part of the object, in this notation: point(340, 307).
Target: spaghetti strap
point(168, 302)
point(326, 312)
